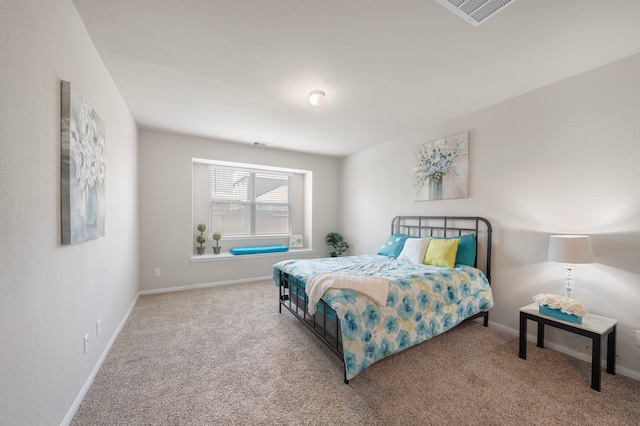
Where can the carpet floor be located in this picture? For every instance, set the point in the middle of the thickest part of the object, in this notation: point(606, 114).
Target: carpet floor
point(224, 355)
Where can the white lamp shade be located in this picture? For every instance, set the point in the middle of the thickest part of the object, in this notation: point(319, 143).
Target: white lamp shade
point(570, 249)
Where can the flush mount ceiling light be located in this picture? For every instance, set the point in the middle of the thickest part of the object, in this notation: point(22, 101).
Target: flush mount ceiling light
point(317, 98)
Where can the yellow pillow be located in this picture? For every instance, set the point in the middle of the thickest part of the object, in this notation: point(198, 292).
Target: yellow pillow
point(442, 252)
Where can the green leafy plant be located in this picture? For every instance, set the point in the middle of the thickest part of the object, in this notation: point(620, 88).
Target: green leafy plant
point(336, 241)
point(201, 239)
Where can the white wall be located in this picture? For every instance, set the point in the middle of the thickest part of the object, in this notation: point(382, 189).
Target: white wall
point(52, 295)
point(561, 159)
point(166, 223)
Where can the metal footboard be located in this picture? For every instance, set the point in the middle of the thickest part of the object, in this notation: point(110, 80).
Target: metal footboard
point(323, 326)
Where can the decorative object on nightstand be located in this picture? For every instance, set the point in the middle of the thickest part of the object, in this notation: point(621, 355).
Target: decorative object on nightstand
point(562, 307)
point(570, 249)
point(296, 241)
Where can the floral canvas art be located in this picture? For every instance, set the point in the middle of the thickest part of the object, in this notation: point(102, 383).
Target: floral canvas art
point(82, 169)
point(441, 168)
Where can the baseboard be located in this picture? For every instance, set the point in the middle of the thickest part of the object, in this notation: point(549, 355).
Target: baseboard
point(563, 349)
point(76, 404)
point(203, 285)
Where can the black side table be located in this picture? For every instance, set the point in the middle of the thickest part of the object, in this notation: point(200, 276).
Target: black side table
point(592, 326)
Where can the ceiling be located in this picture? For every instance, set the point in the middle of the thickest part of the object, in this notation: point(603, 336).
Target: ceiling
point(241, 70)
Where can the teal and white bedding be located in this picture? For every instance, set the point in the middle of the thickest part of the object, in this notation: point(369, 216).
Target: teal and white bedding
point(423, 301)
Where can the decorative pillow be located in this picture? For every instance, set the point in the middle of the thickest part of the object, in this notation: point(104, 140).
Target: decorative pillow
point(394, 245)
point(466, 249)
point(442, 252)
point(414, 250)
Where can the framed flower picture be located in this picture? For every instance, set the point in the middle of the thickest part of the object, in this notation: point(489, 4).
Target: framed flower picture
point(441, 168)
point(296, 241)
point(82, 169)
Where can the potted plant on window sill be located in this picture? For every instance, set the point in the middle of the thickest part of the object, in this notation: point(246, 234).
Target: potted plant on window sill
point(216, 236)
point(201, 239)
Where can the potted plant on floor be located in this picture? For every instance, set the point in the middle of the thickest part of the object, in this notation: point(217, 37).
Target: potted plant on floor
point(216, 236)
point(201, 239)
point(336, 241)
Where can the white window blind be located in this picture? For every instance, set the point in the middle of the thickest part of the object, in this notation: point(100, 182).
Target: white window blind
point(249, 202)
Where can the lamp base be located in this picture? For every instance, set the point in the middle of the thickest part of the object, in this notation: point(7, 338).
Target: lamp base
point(568, 282)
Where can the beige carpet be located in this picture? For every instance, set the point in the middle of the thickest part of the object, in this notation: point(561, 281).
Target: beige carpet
point(225, 355)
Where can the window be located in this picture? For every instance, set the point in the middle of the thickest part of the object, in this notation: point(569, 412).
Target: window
point(251, 204)
point(249, 201)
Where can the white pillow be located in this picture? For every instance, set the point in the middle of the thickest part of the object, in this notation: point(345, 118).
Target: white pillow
point(414, 250)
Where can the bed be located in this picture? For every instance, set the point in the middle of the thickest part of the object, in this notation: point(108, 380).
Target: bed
point(365, 308)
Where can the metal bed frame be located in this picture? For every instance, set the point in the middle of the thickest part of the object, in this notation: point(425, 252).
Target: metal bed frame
point(325, 324)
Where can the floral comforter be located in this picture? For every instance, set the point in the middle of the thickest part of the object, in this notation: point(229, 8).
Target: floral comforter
point(423, 301)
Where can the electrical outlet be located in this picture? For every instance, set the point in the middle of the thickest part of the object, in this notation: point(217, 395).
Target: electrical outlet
point(638, 338)
point(98, 327)
point(86, 343)
point(156, 272)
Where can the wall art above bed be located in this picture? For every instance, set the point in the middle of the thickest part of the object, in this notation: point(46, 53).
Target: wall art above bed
point(441, 168)
point(82, 171)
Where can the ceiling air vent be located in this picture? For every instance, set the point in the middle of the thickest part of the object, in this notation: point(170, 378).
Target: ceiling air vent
point(262, 144)
point(475, 11)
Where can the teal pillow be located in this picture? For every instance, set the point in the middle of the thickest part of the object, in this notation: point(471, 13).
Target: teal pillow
point(466, 249)
point(393, 246)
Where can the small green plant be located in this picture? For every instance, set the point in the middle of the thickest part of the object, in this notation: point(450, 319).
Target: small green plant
point(336, 241)
point(216, 236)
point(201, 239)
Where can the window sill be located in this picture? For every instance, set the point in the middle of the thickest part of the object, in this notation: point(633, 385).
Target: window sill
point(227, 256)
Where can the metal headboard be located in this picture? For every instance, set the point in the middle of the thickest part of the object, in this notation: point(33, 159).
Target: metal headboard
point(450, 226)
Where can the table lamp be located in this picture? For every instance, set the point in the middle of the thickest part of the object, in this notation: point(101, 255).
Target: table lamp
point(570, 249)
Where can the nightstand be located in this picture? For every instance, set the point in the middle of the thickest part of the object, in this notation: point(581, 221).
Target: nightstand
point(592, 326)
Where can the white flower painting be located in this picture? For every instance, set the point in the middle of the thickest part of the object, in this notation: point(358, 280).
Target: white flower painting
point(82, 169)
point(441, 168)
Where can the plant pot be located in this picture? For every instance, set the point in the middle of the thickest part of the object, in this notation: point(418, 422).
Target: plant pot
point(216, 250)
point(200, 250)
